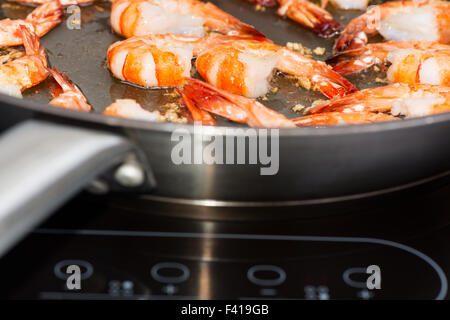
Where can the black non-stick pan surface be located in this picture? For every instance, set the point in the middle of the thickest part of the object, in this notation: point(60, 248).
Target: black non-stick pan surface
point(315, 163)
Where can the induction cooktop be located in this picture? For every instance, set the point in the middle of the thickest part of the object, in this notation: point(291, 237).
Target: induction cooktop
point(129, 247)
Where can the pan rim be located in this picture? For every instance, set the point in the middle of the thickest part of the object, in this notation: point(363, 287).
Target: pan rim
point(121, 123)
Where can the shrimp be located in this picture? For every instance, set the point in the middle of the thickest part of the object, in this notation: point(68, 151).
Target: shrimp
point(129, 108)
point(63, 2)
point(40, 21)
point(198, 115)
point(158, 60)
point(233, 107)
point(246, 67)
point(415, 66)
point(399, 20)
point(71, 98)
point(26, 71)
point(241, 66)
point(359, 59)
point(185, 17)
point(9, 54)
point(307, 14)
point(341, 118)
point(409, 100)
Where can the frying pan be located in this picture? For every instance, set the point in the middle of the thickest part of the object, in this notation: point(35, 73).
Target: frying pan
point(48, 154)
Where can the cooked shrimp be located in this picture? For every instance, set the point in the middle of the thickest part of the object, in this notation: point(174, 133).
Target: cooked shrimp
point(359, 59)
point(186, 17)
point(398, 99)
point(161, 60)
point(40, 21)
point(129, 108)
point(341, 118)
point(26, 71)
point(63, 2)
point(415, 66)
point(71, 98)
point(399, 20)
point(246, 67)
point(198, 115)
point(307, 14)
point(233, 107)
point(9, 54)
point(241, 66)
point(347, 4)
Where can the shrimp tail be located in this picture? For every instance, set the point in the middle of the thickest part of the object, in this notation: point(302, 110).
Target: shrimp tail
point(71, 97)
point(46, 17)
point(329, 88)
point(356, 33)
point(323, 78)
point(347, 62)
point(209, 100)
point(234, 107)
point(310, 15)
point(64, 82)
point(348, 41)
point(32, 44)
point(198, 115)
point(220, 21)
point(377, 99)
point(327, 27)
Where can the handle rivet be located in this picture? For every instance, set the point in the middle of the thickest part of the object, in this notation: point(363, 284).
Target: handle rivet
point(130, 174)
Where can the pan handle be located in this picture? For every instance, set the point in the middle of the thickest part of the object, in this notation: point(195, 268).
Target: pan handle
point(43, 164)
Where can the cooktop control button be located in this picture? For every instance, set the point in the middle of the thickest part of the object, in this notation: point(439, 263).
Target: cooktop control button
point(266, 275)
point(350, 275)
point(170, 272)
point(317, 293)
point(60, 269)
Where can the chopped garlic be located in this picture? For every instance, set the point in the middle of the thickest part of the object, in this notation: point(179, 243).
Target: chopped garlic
point(319, 51)
point(299, 107)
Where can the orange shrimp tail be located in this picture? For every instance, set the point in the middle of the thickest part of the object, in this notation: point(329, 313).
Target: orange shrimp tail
point(64, 82)
point(71, 98)
point(346, 62)
point(329, 88)
point(324, 79)
point(222, 22)
point(348, 41)
point(207, 99)
point(311, 16)
point(234, 107)
point(32, 44)
point(197, 114)
point(46, 17)
point(377, 99)
point(327, 28)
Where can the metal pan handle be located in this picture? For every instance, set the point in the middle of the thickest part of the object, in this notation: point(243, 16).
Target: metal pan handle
point(42, 164)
